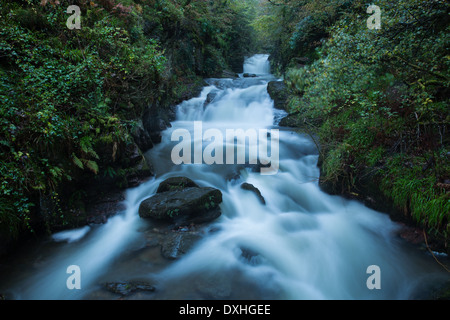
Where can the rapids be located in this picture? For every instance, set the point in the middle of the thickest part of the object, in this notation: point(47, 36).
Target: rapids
point(301, 244)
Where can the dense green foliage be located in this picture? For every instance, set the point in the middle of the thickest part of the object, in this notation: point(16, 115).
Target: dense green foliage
point(69, 99)
point(377, 98)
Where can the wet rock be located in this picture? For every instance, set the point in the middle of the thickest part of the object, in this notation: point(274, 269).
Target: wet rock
point(175, 244)
point(279, 94)
point(210, 98)
point(154, 126)
point(292, 120)
point(222, 84)
point(175, 183)
point(252, 188)
point(129, 287)
point(99, 211)
point(236, 172)
point(183, 207)
point(228, 74)
point(249, 75)
point(188, 91)
point(133, 154)
point(214, 287)
point(142, 137)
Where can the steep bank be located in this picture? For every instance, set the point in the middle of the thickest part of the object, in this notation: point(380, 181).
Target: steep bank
point(79, 107)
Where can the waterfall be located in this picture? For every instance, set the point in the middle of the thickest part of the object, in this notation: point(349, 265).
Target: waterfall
point(257, 64)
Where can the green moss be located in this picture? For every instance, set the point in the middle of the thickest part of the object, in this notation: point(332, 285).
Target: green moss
point(69, 98)
point(376, 102)
point(418, 192)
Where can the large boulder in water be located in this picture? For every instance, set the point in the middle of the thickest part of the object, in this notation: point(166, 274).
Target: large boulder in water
point(184, 205)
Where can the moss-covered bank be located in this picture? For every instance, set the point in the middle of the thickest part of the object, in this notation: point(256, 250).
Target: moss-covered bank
point(79, 107)
point(377, 101)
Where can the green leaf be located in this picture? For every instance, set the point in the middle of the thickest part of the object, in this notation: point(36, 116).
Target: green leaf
point(77, 162)
point(92, 165)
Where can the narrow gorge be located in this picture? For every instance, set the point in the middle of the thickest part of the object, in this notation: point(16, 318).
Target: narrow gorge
point(260, 236)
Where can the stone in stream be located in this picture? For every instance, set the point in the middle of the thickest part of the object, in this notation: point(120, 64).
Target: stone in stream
point(252, 188)
point(182, 204)
point(210, 98)
point(126, 288)
point(175, 244)
point(175, 183)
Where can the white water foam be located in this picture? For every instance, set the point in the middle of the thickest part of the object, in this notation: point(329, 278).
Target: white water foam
point(300, 244)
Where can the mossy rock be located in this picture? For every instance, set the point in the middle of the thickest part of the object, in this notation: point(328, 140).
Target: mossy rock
point(175, 183)
point(187, 206)
point(279, 93)
point(252, 188)
point(176, 244)
point(292, 121)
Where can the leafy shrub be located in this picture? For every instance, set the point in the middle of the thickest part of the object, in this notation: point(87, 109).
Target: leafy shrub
point(70, 98)
point(56, 101)
point(381, 97)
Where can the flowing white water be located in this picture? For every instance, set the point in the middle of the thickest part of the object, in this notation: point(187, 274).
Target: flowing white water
point(258, 64)
point(301, 244)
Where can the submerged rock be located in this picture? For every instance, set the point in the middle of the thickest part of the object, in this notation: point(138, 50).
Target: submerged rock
point(292, 120)
point(210, 98)
point(250, 256)
point(228, 74)
point(142, 137)
point(214, 287)
point(182, 203)
point(126, 288)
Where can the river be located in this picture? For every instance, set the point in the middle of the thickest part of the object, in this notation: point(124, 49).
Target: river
point(300, 244)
